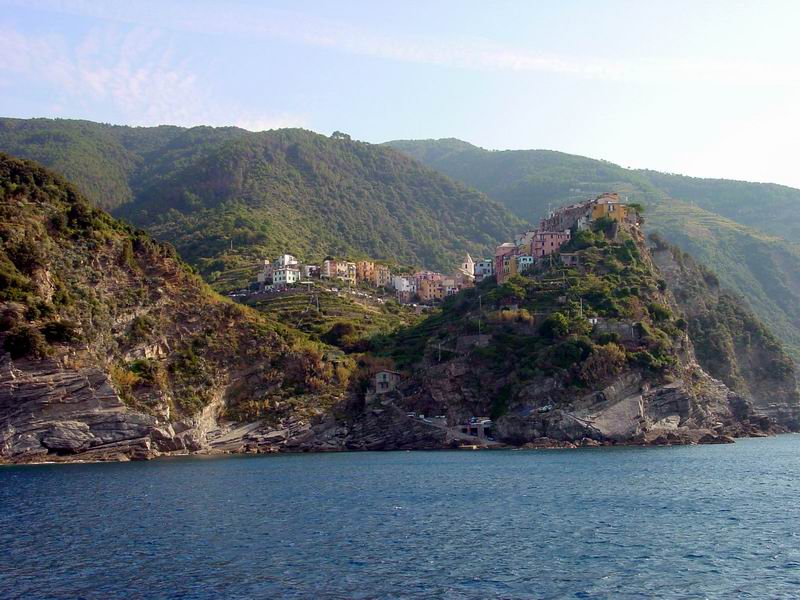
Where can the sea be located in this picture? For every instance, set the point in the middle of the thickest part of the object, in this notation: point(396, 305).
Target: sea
point(618, 522)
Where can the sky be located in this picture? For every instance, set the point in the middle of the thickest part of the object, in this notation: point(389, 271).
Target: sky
point(703, 88)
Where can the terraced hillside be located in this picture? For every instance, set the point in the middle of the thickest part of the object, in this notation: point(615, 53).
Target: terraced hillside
point(346, 319)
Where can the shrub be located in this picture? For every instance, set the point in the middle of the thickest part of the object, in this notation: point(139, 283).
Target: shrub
point(636, 207)
point(66, 332)
point(25, 341)
point(147, 369)
point(342, 334)
point(570, 352)
point(604, 361)
point(140, 328)
point(124, 379)
point(510, 291)
point(608, 338)
point(555, 326)
point(659, 312)
point(604, 225)
point(27, 256)
point(581, 240)
point(500, 402)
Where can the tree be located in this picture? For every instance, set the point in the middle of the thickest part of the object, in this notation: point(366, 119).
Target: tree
point(555, 326)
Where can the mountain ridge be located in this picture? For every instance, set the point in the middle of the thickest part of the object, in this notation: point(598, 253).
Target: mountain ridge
point(227, 197)
point(530, 181)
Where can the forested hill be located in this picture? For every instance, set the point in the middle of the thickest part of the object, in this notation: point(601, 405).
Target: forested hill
point(747, 232)
point(528, 180)
point(226, 197)
point(111, 346)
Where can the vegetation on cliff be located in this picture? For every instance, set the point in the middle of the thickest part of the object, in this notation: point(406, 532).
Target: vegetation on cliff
point(580, 326)
point(81, 288)
point(730, 342)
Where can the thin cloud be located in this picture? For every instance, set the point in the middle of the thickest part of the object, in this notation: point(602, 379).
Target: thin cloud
point(473, 54)
point(134, 73)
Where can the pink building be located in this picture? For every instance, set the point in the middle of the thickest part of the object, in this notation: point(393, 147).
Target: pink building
point(547, 242)
point(501, 255)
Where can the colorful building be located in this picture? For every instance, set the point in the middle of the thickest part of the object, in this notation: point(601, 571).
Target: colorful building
point(502, 256)
point(381, 276)
point(430, 290)
point(365, 271)
point(548, 242)
point(610, 207)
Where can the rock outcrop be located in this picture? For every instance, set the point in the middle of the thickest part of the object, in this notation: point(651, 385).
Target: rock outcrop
point(111, 347)
point(594, 353)
point(729, 340)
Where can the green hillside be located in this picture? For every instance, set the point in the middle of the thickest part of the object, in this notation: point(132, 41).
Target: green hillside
point(717, 221)
point(226, 197)
point(81, 290)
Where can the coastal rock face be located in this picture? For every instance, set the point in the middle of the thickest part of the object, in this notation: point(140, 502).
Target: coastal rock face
point(46, 410)
point(111, 347)
point(594, 352)
point(624, 413)
point(730, 342)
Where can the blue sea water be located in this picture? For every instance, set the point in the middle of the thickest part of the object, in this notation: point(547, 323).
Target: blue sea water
point(682, 522)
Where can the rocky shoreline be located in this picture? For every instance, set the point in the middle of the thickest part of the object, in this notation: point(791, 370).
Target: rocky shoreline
point(103, 455)
point(56, 415)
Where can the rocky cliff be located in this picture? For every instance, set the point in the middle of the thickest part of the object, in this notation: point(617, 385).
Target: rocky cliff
point(730, 342)
point(113, 348)
point(579, 355)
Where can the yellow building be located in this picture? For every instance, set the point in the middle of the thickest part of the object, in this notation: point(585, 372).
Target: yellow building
point(381, 276)
point(609, 206)
point(431, 289)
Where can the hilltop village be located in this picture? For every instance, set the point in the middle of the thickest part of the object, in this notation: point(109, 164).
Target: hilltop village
point(428, 287)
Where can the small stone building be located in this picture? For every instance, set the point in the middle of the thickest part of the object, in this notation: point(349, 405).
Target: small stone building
point(386, 381)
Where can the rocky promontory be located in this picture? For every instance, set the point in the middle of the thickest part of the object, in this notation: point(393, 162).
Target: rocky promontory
point(111, 348)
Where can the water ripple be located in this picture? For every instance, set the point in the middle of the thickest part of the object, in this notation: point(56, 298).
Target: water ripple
point(692, 522)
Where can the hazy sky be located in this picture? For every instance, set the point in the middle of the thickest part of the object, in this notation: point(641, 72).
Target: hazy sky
point(702, 88)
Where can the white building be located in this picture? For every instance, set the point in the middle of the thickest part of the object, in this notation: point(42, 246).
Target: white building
point(284, 260)
point(310, 271)
point(467, 268)
point(404, 284)
point(328, 270)
point(524, 261)
point(285, 276)
point(483, 269)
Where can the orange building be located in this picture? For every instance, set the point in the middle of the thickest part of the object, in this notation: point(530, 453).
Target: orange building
point(365, 271)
